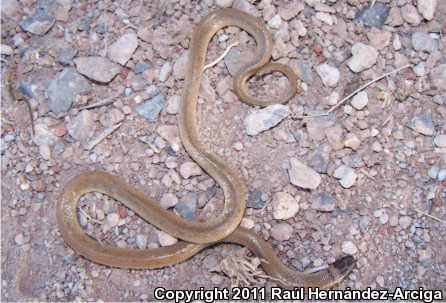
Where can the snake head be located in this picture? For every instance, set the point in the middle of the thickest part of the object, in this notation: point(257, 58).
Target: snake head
point(341, 268)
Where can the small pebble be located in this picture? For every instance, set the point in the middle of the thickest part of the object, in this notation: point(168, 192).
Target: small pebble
point(165, 239)
point(349, 248)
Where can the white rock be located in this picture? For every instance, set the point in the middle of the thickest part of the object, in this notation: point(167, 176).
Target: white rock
point(275, 22)
point(282, 232)
point(302, 175)
point(266, 118)
point(349, 248)
point(6, 50)
point(189, 169)
point(329, 75)
point(168, 200)
point(352, 141)
point(141, 241)
point(165, 72)
point(346, 175)
point(165, 239)
point(122, 49)
point(427, 8)
point(360, 100)
point(19, 239)
point(247, 223)
point(440, 141)
point(333, 98)
point(224, 3)
point(410, 14)
point(285, 206)
point(173, 104)
point(364, 57)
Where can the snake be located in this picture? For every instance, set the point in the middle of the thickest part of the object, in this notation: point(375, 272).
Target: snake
point(195, 236)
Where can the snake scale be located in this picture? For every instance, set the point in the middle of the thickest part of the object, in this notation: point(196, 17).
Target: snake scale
point(196, 236)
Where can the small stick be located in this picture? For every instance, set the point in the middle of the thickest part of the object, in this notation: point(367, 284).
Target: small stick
point(98, 104)
point(367, 85)
point(309, 116)
point(430, 216)
point(102, 136)
point(220, 57)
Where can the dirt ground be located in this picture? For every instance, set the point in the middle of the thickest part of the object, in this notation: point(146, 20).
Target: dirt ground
point(380, 157)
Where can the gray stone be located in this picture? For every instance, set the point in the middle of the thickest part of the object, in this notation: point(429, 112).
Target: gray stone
point(65, 55)
point(346, 175)
point(62, 90)
point(122, 49)
point(255, 200)
point(141, 67)
point(323, 202)
point(304, 71)
point(285, 206)
point(320, 158)
point(302, 175)
point(39, 23)
point(433, 172)
point(180, 66)
point(373, 15)
point(266, 118)
point(424, 42)
point(329, 75)
point(282, 232)
point(427, 8)
point(236, 58)
point(151, 108)
point(82, 127)
point(423, 124)
point(187, 206)
point(363, 57)
point(442, 175)
point(438, 77)
point(99, 69)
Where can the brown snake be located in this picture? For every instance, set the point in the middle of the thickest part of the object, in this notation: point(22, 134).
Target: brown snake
point(195, 236)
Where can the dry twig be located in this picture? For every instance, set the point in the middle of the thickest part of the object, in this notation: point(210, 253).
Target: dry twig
point(220, 57)
point(429, 215)
point(367, 85)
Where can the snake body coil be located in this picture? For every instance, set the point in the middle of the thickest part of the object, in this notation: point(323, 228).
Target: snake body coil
point(195, 236)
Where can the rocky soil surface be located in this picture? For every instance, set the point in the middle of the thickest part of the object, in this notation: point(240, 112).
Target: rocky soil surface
point(364, 176)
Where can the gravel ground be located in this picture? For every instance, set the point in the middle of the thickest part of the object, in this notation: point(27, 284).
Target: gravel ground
point(103, 80)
